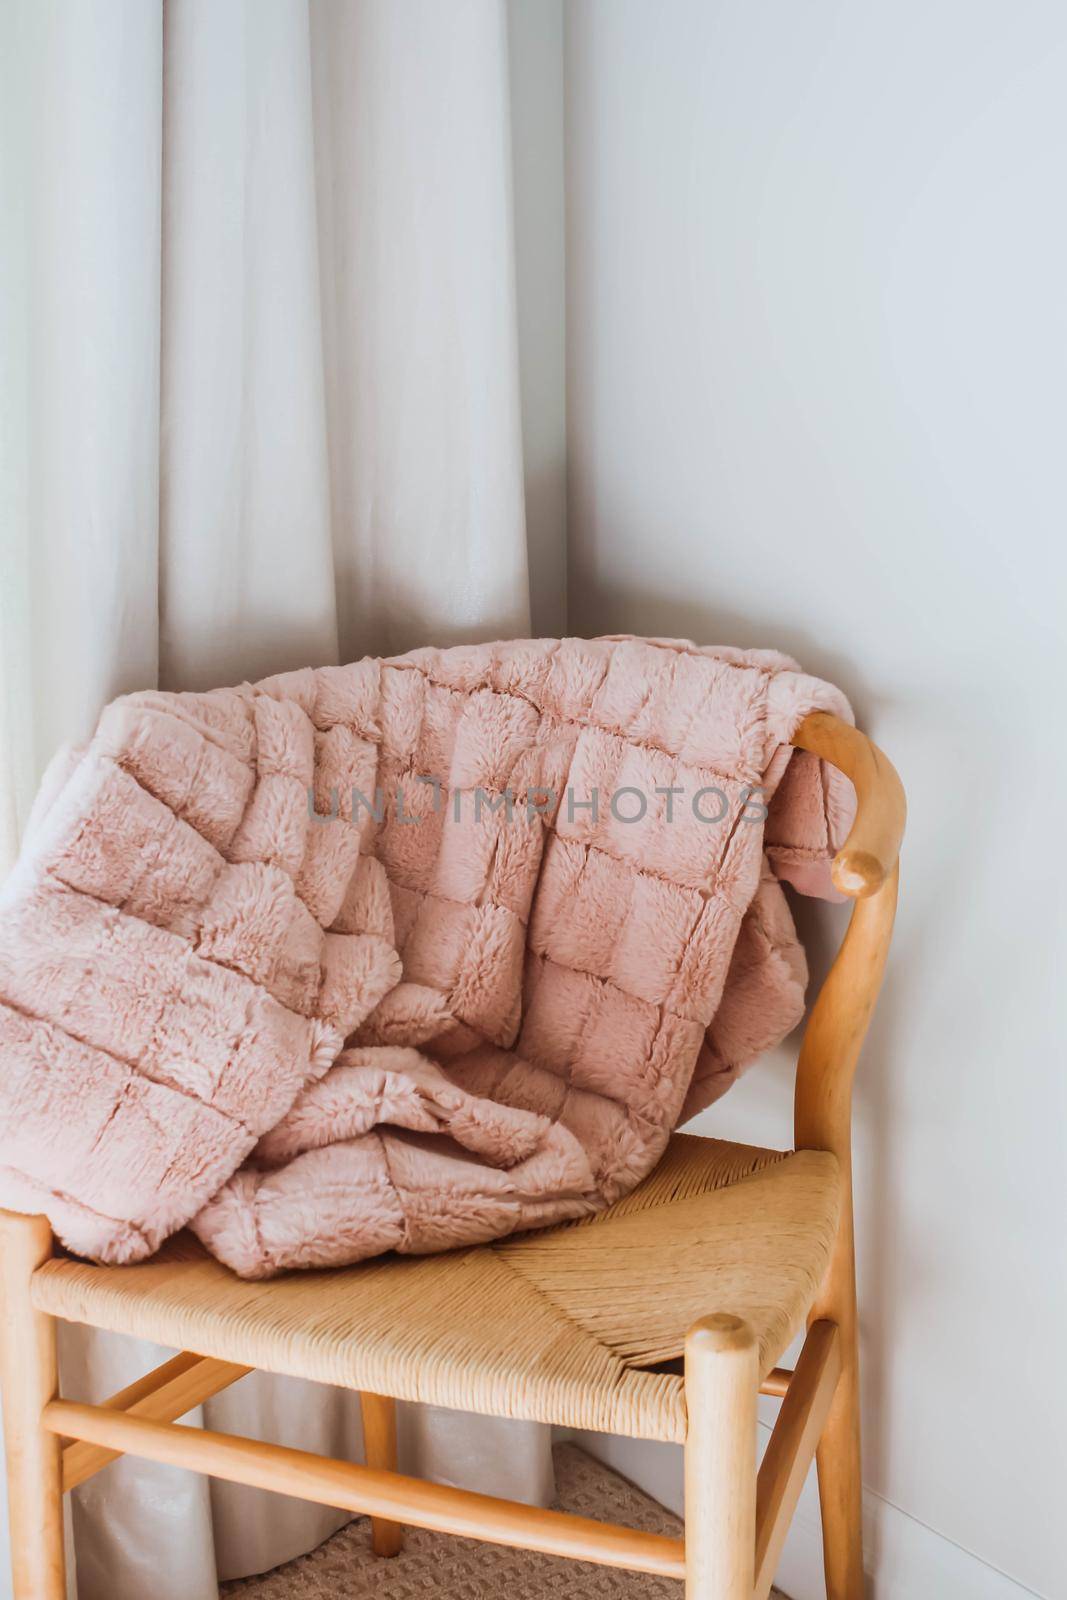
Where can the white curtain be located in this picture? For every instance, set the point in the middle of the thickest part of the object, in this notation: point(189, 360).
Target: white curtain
point(261, 409)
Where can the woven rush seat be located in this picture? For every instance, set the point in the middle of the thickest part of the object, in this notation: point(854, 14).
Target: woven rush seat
point(559, 1326)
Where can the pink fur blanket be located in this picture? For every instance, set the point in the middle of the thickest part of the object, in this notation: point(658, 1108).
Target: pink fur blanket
point(404, 954)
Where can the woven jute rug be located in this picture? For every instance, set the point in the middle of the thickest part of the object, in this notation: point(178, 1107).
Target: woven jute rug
point(464, 1569)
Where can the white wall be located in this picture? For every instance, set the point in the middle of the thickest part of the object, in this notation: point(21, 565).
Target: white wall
point(535, 58)
point(817, 391)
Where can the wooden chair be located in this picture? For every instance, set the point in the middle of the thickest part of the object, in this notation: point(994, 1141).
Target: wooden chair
point(720, 1256)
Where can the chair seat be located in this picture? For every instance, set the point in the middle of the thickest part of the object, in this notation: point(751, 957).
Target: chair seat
point(559, 1326)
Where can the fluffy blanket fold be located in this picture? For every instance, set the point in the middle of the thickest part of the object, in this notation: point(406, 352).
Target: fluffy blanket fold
point(403, 954)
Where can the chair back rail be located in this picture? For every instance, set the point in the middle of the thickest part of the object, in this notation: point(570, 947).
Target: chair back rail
point(864, 869)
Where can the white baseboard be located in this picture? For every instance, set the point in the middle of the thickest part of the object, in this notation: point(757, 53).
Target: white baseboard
point(905, 1560)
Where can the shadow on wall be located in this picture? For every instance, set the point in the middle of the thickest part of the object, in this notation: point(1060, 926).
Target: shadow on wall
point(605, 608)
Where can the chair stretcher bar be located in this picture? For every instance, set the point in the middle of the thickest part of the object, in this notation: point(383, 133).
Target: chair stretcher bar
point(367, 1491)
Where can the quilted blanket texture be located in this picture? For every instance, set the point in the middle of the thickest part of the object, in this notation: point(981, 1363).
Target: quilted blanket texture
point(405, 954)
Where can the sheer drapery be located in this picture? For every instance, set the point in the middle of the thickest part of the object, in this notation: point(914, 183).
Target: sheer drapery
point(262, 410)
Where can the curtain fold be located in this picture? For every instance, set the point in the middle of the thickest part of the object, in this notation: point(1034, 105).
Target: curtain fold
point(80, 145)
point(259, 305)
point(417, 261)
point(247, 579)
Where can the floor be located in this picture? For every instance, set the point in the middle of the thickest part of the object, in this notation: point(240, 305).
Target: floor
point(462, 1569)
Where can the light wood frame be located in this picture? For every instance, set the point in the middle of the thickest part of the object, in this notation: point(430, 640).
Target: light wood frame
point(736, 1517)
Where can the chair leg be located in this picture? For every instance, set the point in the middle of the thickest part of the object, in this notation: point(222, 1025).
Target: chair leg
point(28, 1380)
point(379, 1449)
point(721, 1389)
point(838, 1454)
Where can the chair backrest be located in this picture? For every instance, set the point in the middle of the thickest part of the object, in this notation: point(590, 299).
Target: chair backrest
point(865, 869)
